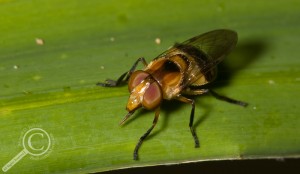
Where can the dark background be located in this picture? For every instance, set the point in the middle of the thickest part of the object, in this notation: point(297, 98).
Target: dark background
point(237, 166)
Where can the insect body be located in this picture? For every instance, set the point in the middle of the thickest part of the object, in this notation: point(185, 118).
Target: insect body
point(180, 71)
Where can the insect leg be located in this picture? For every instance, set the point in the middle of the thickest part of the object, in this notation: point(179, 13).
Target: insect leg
point(192, 102)
point(229, 100)
point(189, 91)
point(135, 153)
point(124, 77)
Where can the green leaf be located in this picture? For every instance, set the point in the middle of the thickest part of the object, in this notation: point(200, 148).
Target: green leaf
point(52, 53)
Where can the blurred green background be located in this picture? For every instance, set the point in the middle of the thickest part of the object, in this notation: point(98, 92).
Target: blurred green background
point(51, 85)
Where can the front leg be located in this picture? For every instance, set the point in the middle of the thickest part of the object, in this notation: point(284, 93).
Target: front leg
point(124, 77)
point(138, 145)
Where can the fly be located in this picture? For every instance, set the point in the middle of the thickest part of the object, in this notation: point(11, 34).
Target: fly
point(183, 70)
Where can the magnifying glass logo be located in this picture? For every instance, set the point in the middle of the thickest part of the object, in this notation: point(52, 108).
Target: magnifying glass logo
point(35, 142)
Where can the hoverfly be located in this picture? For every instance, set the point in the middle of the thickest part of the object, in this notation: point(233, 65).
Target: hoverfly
point(182, 70)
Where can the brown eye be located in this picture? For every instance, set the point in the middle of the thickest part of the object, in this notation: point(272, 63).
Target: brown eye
point(136, 78)
point(152, 97)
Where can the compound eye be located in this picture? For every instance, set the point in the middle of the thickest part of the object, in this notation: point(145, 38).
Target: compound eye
point(152, 97)
point(136, 78)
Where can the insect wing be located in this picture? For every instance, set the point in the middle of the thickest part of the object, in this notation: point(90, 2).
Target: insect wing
point(215, 44)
